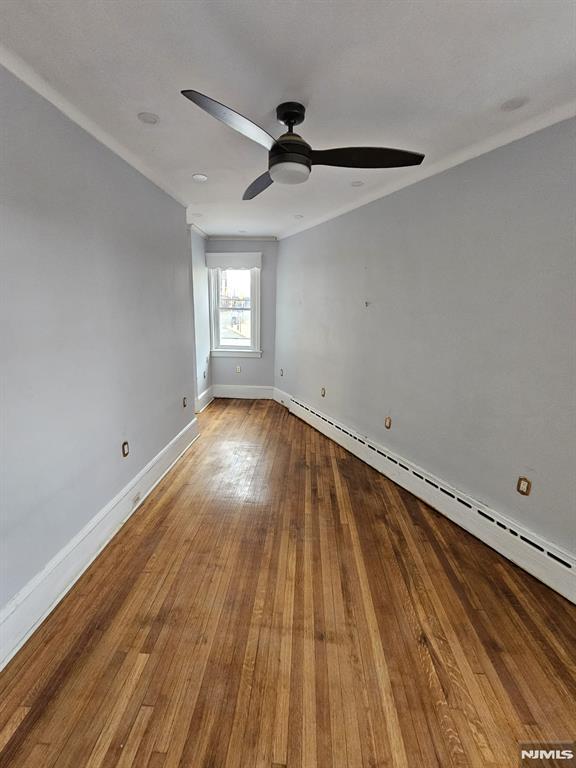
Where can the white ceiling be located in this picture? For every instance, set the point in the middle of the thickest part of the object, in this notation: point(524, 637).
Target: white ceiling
point(428, 76)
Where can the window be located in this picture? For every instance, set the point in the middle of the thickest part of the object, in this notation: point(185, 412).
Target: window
point(235, 311)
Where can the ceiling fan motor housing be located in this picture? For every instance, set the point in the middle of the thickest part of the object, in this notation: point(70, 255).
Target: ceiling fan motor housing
point(289, 160)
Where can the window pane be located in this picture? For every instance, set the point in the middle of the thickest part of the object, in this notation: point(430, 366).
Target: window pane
point(235, 308)
point(235, 327)
point(235, 288)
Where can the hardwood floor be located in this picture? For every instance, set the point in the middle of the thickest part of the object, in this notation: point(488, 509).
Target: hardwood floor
point(275, 602)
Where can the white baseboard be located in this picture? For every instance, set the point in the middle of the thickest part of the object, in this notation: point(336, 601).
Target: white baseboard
point(546, 561)
point(32, 604)
point(203, 399)
point(281, 397)
point(248, 391)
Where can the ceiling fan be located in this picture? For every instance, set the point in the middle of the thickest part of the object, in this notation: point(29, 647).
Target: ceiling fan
point(290, 158)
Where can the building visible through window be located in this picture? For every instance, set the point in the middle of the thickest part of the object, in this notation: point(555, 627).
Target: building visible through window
point(235, 310)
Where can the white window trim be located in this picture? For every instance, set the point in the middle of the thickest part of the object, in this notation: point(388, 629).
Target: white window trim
point(232, 351)
point(238, 352)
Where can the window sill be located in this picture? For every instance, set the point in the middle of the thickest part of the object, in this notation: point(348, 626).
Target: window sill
point(236, 353)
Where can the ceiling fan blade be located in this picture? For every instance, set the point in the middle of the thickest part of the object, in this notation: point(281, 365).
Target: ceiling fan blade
point(231, 118)
point(366, 157)
point(257, 186)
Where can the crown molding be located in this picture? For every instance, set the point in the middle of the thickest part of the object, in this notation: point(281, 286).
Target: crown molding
point(37, 83)
point(501, 139)
point(196, 229)
point(27, 75)
point(246, 238)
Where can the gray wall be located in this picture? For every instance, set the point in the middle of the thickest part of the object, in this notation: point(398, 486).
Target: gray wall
point(468, 337)
point(96, 328)
point(201, 313)
point(255, 371)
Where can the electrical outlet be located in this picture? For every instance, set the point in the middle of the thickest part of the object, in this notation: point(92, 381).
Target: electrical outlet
point(184, 402)
point(524, 486)
point(388, 422)
point(238, 369)
point(125, 448)
point(323, 391)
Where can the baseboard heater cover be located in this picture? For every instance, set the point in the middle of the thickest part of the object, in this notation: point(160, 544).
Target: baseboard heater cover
point(547, 562)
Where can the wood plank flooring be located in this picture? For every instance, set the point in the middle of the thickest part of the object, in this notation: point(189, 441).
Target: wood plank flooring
point(276, 603)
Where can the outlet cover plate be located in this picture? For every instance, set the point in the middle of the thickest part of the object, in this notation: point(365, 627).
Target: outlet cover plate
point(524, 486)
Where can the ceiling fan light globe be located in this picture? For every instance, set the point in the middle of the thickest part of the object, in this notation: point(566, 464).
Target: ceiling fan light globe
point(289, 173)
